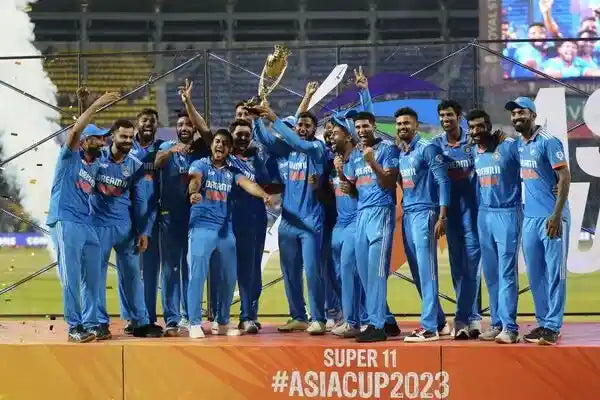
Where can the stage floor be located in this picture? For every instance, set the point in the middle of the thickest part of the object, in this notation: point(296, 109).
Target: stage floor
point(54, 332)
point(38, 362)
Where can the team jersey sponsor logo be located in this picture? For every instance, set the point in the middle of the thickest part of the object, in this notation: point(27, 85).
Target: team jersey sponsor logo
point(126, 172)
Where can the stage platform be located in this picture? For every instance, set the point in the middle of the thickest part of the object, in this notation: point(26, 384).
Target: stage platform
point(38, 363)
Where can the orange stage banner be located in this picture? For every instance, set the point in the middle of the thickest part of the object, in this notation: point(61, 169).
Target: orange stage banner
point(232, 372)
point(523, 372)
point(61, 371)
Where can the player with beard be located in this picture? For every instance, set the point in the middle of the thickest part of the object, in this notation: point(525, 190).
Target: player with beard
point(373, 170)
point(463, 241)
point(249, 222)
point(173, 162)
point(70, 221)
point(344, 232)
point(211, 238)
point(301, 228)
point(426, 192)
point(121, 210)
point(547, 219)
point(144, 149)
point(497, 167)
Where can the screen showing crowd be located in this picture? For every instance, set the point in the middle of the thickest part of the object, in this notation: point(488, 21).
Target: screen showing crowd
point(551, 22)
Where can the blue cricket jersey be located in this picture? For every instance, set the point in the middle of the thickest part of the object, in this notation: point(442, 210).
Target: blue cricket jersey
point(214, 211)
point(461, 172)
point(498, 175)
point(174, 183)
point(346, 205)
point(121, 193)
point(301, 206)
point(147, 155)
point(248, 210)
point(540, 156)
point(423, 176)
point(370, 194)
point(71, 188)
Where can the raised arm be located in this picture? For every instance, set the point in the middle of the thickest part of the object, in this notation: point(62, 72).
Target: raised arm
point(197, 120)
point(271, 143)
point(74, 134)
point(362, 83)
point(311, 88)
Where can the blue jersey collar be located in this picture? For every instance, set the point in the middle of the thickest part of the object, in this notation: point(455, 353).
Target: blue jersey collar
point(411, 145)
point(462, 139)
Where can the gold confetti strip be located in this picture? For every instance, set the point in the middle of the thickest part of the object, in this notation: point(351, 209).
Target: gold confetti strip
point(33, 181)
point(39, 165)
point(18, 62)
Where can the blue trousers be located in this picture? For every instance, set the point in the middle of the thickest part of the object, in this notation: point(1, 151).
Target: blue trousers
point(499, 237)
point(344, 258)
point(150, 272)
point(546, 261)
point(374, 236)
point(420, 246)
point(250, 243)
point(300, 248)
point(216, 250)
point(174, 273)
point(331, 278)
point(131, 289)
point(78, 253)
point(465, 255)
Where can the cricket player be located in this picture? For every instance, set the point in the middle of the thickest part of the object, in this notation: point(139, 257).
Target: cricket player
point(121, 216)
point(546, 221)
point(173, 162)
point(301, 228)
point(145, 148)
point(70, 221)
point(373, 170)
point(462, 236)
point(426, 192)
point(344, 232)
point(211, 239)
point(497, 167)
point(249, 222)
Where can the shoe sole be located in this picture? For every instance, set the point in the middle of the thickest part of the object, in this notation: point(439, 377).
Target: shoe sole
point(543, 342)
point(251, 331)
point(534, 341)
point(91, 338)
point(172, 332)
point(105, 337)
point(369, 340)
point(289, 330)
point(505, 342)
point(420, 340)
point(486, 339)
point(318, 333)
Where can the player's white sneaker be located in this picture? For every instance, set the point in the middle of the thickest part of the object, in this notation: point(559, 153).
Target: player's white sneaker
point(507, 337)
point(249, 327)
point(345, 330)
point(196, 332)
point(445, 331)
point(474, 329)
point(490, 334)
point(316, 328)
point(224, 330)
point(422, 335)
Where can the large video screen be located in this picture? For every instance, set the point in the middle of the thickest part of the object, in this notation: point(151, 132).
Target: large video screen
point(551, 22)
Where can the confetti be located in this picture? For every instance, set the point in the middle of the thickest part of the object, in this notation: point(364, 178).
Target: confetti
point(51, 327)
point(27, 8)
point(39, 165)
point(33, 181)
point(32, 254)
point(52, 317)
point(18, 62)
point(11, 268)
point(7, 300)
point(109, 287)
point(14, 134)
point(22, 169)
point(22, 322)
point(36, 149)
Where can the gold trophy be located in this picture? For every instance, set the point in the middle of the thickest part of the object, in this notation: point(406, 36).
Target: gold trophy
point(272, 73)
